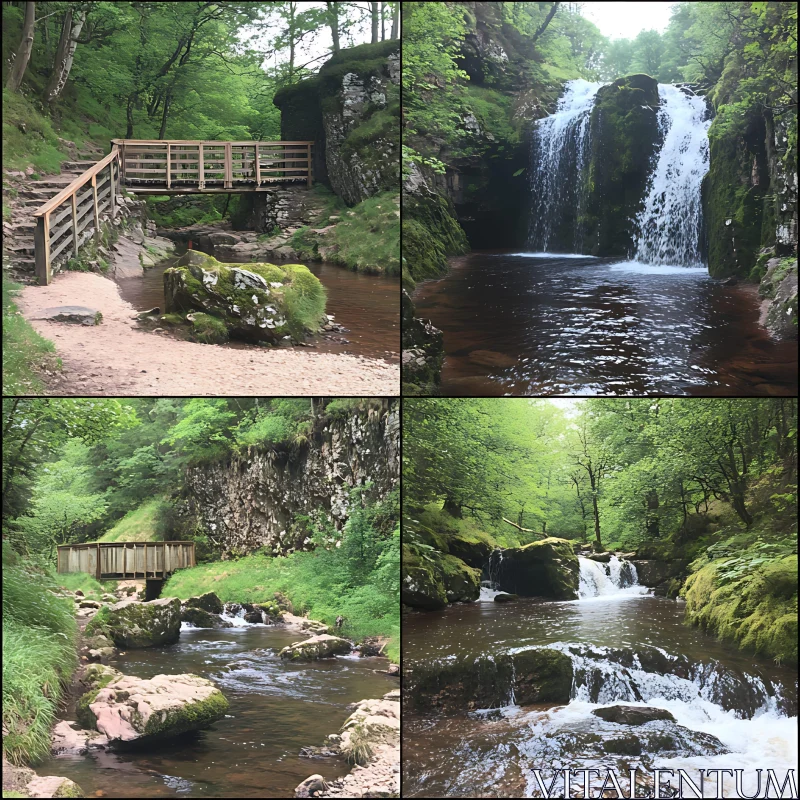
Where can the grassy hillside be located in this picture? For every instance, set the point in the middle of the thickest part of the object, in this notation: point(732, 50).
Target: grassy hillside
point(143, 524)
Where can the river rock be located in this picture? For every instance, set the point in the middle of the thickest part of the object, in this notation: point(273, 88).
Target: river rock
point(135, 624)
point(129, 709)
point(536, 675)
point(546, 568)
point(302, 624)
point(254, 617)
point(632, 715)
point(652, 572)
point(202, 619)
point(208, 602)
point(52, 786)
point(77, 315)
point(324, 646)
point(256, 302)
point(99, 653)
point(99, 641)
point(603, 558)
point(433, 579)
point(310, 786)
point(505, 598)
point(68, 740)
point(91, 604)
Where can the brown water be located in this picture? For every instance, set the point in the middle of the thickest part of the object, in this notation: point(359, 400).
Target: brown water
point(276, 708)
point(491, 754)
point(368, 306)
point(515, 324)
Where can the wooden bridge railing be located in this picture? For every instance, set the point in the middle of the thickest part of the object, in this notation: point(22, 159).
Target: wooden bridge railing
point(153, 165)
point(63, 220)
point(121, 560)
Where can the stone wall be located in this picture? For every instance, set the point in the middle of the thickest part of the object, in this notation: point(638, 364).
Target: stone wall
point(251, 500)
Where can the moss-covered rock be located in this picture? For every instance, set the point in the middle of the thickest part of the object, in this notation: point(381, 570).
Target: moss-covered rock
point(255, 302)
point(546, 568)
point(624, 137)
point(423, 352)
point(421, 584)
point(462, 583)
point(203, 619)
point(779, 290)
point(51, 786)
point(133, 624)
point(132, 709)
point(208, 602)
point(530, 676)
point(322, 646)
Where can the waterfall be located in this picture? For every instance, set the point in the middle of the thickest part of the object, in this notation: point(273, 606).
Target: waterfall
point(671, 221)
point(617, 578)
point(558, 156)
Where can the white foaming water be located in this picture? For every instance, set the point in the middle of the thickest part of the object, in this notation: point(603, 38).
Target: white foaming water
point(656, 269)
point(559, 155)
point(615, 579)
point(671, 220)
point(487, 595)
point(238, 621)
point(550, 255)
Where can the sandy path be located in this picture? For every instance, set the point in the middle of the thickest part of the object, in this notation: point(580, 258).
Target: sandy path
point(118, 358)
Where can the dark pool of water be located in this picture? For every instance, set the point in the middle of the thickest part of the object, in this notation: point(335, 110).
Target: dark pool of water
point(368, 306)
point(477, 755)
point(275, 709)
point(519, 325)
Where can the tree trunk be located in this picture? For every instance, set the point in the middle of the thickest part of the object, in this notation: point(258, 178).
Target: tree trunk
point(383, 21)
point(374, 14)
point(70, 31)
point(452, 507)
point(396, 21)
point(595, 511)
point(546, 22)
point(167, 103)
point(333, 21)
point(24, 50)
point(129, 115)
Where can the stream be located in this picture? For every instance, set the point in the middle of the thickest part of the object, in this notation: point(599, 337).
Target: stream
point(543, 324)
point(276, 708)
point(366, 305)
point(748, 704)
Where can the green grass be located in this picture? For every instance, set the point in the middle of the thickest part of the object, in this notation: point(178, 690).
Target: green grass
point(312, 581)
point(144, 524)
point(39, 637)
point(37, 146)
point(25, 352)
point(208, 329)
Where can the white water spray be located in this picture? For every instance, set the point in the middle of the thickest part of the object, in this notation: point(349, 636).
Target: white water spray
point(671, 221)
point(615, 579)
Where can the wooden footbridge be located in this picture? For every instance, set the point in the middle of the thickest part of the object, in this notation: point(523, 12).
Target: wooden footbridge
point(124, 560)
point(144, 166)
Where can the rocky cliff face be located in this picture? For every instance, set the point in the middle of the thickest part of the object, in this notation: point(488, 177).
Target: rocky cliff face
point(351, 110)
point(251, 500)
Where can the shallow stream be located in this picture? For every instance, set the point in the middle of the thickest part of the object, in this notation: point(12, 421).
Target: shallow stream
point(276, 708)
point(747, 703)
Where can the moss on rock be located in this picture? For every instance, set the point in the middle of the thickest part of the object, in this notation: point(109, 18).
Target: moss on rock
point(133, 624)
point(546, 568)
point(257, 302)
point(208, 602)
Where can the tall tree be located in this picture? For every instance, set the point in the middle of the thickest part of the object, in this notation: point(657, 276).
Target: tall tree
point(375, 21)
point(71, 27)
point(23, 53)
point(395, 20)
point(333, 23)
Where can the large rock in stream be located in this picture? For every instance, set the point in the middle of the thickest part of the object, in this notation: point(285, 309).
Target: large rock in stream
point(134, 624)
point(546, 568)
point(322, 646)
point(203, 619)
point(255, 302)
point(531, 676)
point(127, 709)
point(432, 580)
point(208, 602)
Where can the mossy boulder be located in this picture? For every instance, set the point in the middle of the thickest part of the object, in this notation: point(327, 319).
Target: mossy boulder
point(624, 138)
point(132, 709)
point(632, 715)
point(462, 583)
point(423, 352)
point(51, 786)
point(255, 302)
point(134, 624)
point(208, 602)
point(530, 676)
point(322, 646)
point(546, 568)
point(203, 619)
point(430, 579)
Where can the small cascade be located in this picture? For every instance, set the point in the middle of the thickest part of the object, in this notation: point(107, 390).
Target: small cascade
point(671, 221)
point(558, 157)
point(616, 578)
point(488, 592)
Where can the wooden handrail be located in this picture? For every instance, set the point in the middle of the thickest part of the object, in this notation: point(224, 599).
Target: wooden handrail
point(220, 142)
point(56, 201)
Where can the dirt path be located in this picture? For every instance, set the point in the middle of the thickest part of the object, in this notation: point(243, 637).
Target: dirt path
point(119, 358)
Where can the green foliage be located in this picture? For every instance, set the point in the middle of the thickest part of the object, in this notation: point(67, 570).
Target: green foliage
point(28, 137)
point(39, 635)
point(25, 352)
point(208, 329)
point(147, 523)
point(90, 586)
point(355, 574)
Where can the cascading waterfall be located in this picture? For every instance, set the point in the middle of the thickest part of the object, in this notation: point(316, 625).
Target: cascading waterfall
point(670, 223)
point(616, 578)
point(558, 156)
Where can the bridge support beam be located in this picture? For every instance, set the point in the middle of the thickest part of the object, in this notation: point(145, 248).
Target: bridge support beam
point(153, 589)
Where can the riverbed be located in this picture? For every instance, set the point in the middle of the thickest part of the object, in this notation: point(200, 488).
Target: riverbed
point(366, 305)
point(276, 708)
point(483, 754)
point(526, 324)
